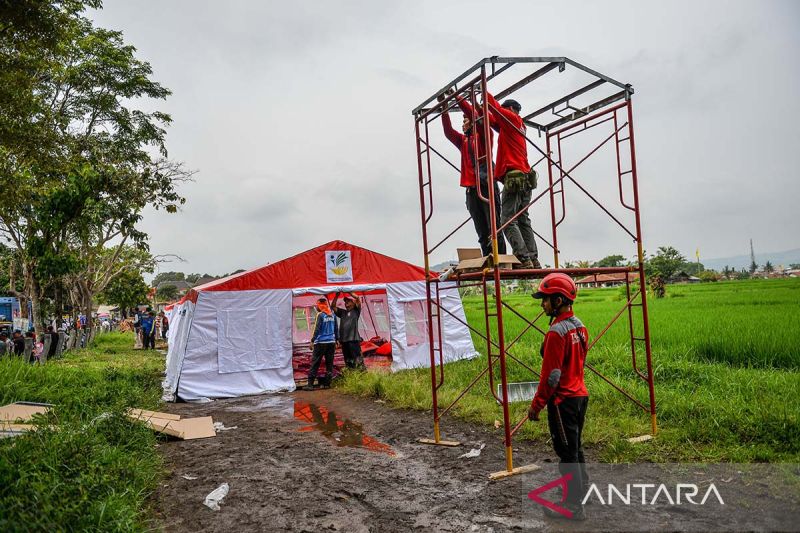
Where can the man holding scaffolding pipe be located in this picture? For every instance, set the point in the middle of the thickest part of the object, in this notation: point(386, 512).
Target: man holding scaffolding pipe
point(515, 173)
point(466, 143)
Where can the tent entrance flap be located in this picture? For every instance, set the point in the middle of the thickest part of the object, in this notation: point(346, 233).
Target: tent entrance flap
point(374, 327)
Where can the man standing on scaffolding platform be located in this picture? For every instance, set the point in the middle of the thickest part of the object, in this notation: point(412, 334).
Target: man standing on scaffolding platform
point(562, 388)
point(478, 209)
point(514, 172)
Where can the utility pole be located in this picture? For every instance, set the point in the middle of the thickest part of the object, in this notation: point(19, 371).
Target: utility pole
point(753, 264)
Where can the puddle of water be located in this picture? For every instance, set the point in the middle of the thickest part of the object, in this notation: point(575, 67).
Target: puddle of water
point(340, 431)
point(281, 404)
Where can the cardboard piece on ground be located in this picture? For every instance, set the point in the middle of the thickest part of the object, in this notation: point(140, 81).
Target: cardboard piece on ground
point(13, 412)
point(173, 425)
point(471, 260)
point(145, 414)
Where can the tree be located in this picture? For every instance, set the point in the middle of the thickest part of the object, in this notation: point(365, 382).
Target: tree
point(167, 293)
point(611, 261)
point(794, 266)
point(83, 159)
point(708, 275)
point(728, 272)
point(768, 268)
point(167, 276)
point(657, 286)
point(692, 268)
point(125, 290)
point(753, 267)
point(666, 262)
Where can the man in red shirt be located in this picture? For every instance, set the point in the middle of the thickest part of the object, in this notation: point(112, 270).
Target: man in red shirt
point(478, 209)
point(512, 170)
point(562, 388)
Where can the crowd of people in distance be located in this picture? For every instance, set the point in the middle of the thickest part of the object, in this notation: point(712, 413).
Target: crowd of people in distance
point(147, 325)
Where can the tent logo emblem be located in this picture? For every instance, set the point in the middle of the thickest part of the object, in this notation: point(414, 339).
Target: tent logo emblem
point(338, 267)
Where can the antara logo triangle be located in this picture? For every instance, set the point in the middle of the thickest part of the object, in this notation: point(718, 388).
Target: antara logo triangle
point(560, 482)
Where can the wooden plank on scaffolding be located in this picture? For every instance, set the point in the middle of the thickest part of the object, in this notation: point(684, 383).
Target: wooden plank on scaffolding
point(641, 438)
point(518, 470)
point(450, 443)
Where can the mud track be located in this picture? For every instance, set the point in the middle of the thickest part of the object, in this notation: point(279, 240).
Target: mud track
point(322, 461)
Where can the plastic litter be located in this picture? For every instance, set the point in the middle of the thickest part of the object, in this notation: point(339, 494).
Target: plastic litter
point(202, 399)
point(219, 426)
point(190, 478)
point(474, 452)
point(216, 496)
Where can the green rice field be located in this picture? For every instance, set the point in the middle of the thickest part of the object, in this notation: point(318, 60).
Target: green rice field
point(726, 358)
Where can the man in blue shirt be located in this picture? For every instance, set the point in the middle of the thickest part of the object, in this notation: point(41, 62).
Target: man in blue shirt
point(148, 322)
point(323, 342)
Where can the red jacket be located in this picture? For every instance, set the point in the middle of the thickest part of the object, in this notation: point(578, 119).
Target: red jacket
point(462, 142)
point(564, 354)
point(512, 147)
point(477, 125)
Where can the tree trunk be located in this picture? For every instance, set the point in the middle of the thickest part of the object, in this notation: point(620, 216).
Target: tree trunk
point(36, 308)
point(86, 309)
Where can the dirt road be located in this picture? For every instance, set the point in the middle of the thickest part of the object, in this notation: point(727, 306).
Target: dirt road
point(316, 461)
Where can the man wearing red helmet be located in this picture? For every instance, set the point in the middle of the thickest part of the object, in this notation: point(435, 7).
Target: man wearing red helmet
point(562, 388)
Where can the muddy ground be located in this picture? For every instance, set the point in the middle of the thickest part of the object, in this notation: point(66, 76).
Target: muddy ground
point(321, 461)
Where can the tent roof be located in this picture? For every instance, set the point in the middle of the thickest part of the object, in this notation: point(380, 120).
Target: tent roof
point(307, 269)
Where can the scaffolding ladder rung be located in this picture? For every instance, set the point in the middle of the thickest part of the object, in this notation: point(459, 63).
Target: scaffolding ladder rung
point(626, 172)
point(622, 140)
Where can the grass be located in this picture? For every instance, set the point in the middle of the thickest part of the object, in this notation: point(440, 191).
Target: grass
point(87, 467)
point(726, 364)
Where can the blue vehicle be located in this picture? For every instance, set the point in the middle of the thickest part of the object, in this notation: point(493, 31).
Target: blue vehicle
point(9, 309)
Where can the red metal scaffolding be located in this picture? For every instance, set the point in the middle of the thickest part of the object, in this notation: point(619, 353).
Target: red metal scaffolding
point(603, 103)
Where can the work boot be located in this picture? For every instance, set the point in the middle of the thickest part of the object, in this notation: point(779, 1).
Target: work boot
point(309, 385)
point(536, 264)
point(577, 513)
point(525, 265)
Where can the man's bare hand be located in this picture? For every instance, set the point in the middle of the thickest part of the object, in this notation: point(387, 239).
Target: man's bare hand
point(533, 414)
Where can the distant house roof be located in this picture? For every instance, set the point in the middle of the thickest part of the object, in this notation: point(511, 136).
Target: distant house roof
point(204, 280)
point(683, 276)
point(606, 278)
point(181, 285)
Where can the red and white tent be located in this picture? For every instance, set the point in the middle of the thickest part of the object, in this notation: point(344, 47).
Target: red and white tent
point(234, 336)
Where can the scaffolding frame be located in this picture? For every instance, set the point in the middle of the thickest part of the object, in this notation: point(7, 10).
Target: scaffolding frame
point(615, 110)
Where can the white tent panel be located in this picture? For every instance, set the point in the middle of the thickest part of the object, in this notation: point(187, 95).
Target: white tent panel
point(239, 343)
point(410, 345)
point(177, 336)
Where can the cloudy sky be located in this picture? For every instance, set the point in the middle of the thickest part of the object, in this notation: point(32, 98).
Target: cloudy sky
point(297, 117)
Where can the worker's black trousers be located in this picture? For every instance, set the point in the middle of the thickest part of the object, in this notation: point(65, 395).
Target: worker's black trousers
point(481, 218)
point(351, 350)
point(320, 349)
point(566, 427)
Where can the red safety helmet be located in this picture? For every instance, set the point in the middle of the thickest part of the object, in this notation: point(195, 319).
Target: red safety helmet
point(557, 283)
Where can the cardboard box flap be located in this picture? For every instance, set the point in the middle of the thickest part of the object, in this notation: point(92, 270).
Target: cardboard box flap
point(468, 253)
point(470, 260)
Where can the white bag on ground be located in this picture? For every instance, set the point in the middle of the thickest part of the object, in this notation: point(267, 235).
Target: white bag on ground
point(215, 497)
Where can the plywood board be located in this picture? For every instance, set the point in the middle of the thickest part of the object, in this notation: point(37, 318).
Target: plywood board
point(196, 428)
point(518, 470)
point(186, 429)
point(15, 411)
point(145, 414)
point(451, 443)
